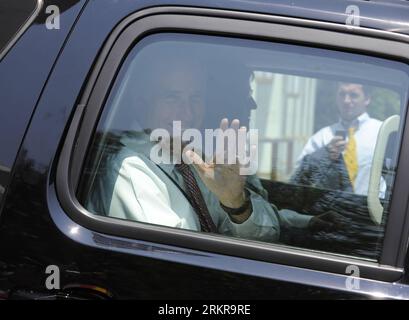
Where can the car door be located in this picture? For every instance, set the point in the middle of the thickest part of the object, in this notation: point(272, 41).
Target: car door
point(90, 98)
point(28, 52)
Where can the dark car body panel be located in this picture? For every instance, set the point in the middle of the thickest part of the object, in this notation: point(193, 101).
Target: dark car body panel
point(23, 77)
point(40, 95)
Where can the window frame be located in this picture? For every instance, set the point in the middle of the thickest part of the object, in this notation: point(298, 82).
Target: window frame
point(253, 27)
point(33, 15)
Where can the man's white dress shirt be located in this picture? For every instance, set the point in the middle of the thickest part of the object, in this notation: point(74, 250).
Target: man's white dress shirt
point(146, 192)
point(366, 135)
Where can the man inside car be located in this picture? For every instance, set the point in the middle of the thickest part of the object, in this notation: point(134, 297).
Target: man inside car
point(339, 156)
point(203, 196)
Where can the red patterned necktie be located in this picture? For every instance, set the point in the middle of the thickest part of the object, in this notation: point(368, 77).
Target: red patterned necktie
point(196, 198)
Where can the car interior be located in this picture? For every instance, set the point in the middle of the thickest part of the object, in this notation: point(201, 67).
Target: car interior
point(292, 86)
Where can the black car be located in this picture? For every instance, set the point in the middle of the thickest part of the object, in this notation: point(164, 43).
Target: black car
point(81, 83)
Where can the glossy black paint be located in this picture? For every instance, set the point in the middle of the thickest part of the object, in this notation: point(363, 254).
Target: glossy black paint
point(34, 230)
point(23, 74)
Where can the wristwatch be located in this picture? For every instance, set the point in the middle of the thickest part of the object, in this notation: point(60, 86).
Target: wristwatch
point(238, 211)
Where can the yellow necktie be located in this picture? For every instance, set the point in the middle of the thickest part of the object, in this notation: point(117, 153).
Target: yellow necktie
point(350, 156)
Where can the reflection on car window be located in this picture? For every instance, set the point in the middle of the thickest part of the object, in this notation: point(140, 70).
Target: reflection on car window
point(263, 141)
point(13, 16)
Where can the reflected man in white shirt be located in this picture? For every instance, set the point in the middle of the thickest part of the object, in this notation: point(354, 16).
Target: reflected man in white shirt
point(339, 156)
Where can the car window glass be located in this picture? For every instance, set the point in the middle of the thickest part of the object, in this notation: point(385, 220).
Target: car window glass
point(262, 141)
